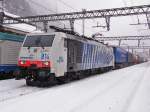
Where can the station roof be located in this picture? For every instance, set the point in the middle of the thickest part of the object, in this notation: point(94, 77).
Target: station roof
point(11, 37)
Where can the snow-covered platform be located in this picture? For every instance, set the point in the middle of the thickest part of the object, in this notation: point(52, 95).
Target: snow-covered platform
point(124, 90)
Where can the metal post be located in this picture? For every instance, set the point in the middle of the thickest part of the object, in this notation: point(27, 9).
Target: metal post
point(148, 20)
point(119, 42)
point(45, 25)
point(149, 52)
point(83, 22)
point(72, 24)
point(107, 18)
point(1, 12)
point(1, 18)
point(132, 51)
point(138, 42)
point(83, 27)
point(128, 55)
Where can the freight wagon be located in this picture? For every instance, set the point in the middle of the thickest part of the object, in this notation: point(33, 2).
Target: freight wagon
point(9, 49)
point(142, 59)
point(121, 57)
point(131, 59)
point(124, 58)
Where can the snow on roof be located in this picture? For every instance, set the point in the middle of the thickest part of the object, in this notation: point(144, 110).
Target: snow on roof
point(10, 14)
point(22, 27)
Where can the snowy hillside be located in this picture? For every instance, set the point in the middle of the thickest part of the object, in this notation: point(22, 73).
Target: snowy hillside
point(18, 7)
point(30, 7)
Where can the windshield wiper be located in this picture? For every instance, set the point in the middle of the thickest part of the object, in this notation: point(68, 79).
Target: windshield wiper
point(42, 46)
point(29, 47)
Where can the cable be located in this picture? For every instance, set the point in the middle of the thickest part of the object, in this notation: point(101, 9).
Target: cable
point(125, 3)
point(69, 6)
point(43, 7)
point(132, 3)
point(64, 3)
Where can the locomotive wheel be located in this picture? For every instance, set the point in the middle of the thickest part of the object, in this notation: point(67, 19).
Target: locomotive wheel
point(64, 79)
point(50, 82)
point(29, 82)
point(80, 76)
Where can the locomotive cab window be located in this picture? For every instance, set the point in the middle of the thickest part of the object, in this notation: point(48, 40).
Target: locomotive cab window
point(39, 41)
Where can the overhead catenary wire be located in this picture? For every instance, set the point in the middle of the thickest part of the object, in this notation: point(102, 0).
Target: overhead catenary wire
point(69, 6)
point(66, 4)
point(125, 4)
point(62, 2)
point(45, 8)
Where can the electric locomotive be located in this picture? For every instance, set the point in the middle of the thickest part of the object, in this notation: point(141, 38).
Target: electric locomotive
point(9, 50)
point(60, 57)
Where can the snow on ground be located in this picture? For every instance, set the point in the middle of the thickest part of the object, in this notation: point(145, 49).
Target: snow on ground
point(124, 90)
point(10, 89)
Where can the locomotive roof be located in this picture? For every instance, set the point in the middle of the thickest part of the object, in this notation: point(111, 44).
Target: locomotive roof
point(75, 35)
point(71, 35)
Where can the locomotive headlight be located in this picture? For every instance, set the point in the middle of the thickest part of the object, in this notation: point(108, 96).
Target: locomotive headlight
point(46, 63)
point(22, 62)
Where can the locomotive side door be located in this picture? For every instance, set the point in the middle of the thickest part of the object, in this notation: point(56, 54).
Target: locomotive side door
point(72, 54)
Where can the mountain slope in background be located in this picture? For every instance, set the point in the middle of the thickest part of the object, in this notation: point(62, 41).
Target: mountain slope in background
point(30, 7)
point(18, 7)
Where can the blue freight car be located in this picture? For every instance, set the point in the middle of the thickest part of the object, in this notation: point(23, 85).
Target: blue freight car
point(121, 57)
point(9, 50)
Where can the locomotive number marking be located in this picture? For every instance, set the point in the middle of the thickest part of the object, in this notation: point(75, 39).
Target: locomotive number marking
point(44, 56)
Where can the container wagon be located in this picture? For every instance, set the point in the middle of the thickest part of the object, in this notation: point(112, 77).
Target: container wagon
point(131, 59)
point(121, 57)
point(9, 49)
point(142, 59)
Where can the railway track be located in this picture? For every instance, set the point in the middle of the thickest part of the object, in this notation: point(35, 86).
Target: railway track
point(117, 91)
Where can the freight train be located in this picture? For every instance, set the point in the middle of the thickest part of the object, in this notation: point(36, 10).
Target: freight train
point(9, 50)
point(59, 57)
point(124, 58)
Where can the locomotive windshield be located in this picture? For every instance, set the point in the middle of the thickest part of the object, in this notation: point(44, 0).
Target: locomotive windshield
point(39, 41)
